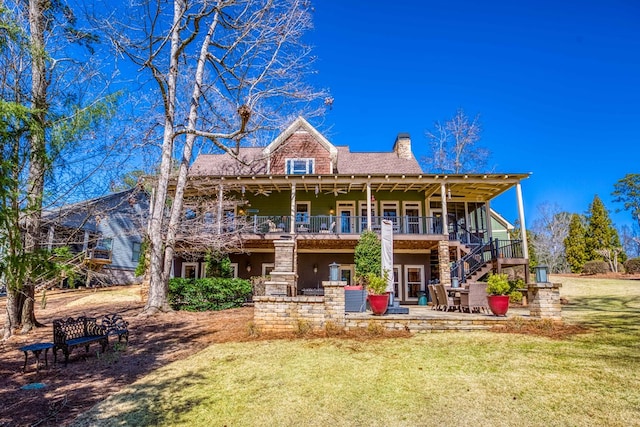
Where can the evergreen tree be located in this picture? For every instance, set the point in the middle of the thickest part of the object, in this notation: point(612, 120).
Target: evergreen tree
point(600, 233)
point(575, 244)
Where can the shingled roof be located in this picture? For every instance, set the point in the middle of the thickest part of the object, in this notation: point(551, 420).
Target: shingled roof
point(362, 163)
point(397, 161)
point(225, 165)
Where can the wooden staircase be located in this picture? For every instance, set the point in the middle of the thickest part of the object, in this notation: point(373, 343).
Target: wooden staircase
point(487, 257)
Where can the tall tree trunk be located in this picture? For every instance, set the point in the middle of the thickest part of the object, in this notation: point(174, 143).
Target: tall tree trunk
point(176, 208)
point(35, 186)
point(159, 284)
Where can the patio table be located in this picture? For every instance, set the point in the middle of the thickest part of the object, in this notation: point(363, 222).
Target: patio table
point(36, 349)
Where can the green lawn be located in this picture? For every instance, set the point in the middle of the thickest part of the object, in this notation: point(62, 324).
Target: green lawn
point(474, 378)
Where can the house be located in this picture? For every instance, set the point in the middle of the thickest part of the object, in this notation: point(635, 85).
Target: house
point(106, 233)
point(300, 204)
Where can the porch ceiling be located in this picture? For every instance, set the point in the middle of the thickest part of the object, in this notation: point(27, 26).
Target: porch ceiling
point(477, 187)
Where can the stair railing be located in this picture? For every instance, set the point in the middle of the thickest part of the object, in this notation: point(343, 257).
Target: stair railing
point(472, 262)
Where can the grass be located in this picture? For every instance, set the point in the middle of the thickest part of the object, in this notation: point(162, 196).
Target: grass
point(478, 378)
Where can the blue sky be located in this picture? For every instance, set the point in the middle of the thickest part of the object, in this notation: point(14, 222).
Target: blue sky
point(556, 85)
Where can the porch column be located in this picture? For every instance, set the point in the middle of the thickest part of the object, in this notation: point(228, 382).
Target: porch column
point(523, 228)
point(487, 208)
point(220, 219)
point(443, 197)
point(368, 206)
point(292, 221)
point(50, 238)
point(85, 242)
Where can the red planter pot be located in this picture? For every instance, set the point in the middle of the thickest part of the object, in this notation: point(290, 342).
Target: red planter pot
point(499, 304)
point(379, 303)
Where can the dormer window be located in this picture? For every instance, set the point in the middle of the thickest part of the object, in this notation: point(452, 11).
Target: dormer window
point(299, 166)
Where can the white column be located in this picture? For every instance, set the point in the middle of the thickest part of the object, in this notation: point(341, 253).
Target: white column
point(443, 197)
point(523, 228)
point(85, 243)
point(487, 208)
point(369, 206)
point(50, 238)
point(293, 208)
point(220, 219)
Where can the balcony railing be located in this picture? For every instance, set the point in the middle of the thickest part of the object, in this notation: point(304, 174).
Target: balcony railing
point(329, 224)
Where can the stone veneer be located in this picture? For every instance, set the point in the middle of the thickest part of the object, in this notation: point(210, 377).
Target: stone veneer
point(283, 277)
point(273, 314)
point(544, 300)
point(290, 313)
point(443, 262)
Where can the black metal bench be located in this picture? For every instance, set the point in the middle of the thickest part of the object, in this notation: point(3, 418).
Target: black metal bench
point(82, 331)
point(114, 324)
point(70, 333)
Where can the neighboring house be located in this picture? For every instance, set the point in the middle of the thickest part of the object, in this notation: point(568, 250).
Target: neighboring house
point(106, 232)
point(303, 189)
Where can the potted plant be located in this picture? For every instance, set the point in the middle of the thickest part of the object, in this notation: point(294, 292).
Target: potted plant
point(498, 293)
point(377, 293)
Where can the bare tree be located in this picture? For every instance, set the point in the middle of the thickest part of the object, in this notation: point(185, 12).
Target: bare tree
point(453, 146)
point(227, 71)
point(610, 255)
point(549, 232)
point(45, 77)
point(630, 239)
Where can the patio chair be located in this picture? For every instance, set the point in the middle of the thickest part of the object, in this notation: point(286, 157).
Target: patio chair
point(446, 302)
point(434, 297)
point(475, 299)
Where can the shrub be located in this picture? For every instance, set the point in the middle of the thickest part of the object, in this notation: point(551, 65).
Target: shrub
point(595, 267)
point(208, 294)
point(515, 297)
point(516, 284)
point(632, 266)
point(498, 284)
point(367, 255)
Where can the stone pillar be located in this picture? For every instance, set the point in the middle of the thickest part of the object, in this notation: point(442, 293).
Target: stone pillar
point(544, 300)
point(283, 277)
point(443, 262)
point(334, 302)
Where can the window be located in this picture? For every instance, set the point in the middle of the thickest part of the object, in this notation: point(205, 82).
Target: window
point(105, 243)
point(299, 166)
point(135, 251)
point(267, 268)
point(302, 212)
point(190, 270)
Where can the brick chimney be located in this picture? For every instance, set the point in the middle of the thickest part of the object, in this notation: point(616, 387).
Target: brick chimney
point(402, 147)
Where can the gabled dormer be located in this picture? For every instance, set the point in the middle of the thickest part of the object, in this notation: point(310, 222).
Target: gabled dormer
point(300, 150)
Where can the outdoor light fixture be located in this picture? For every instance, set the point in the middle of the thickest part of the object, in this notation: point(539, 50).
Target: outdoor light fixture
point(315, 268)
point(331, 211)
point(542, 274)
point(317, 190)
point(449, 194)
point(248, 267)
point(334, 269)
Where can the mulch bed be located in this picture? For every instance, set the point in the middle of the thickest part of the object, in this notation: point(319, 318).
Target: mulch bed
point(89, 378)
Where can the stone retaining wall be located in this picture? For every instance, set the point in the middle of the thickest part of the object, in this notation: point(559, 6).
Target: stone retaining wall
point(291, 314)
point(299, 313)
point(544, 300)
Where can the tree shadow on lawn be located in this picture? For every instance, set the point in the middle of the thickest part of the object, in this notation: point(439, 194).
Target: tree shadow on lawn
point(90, 377)
point(614, 314)
point(144, 404)
point(616, 322)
